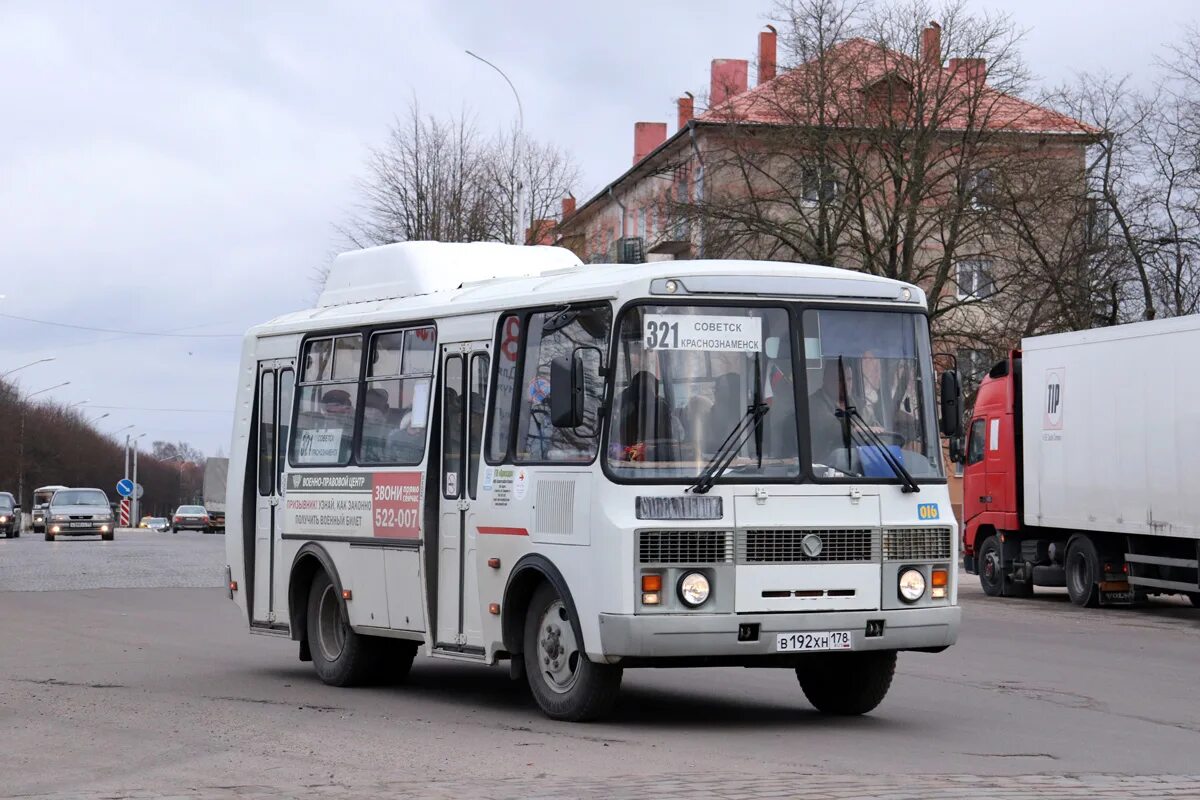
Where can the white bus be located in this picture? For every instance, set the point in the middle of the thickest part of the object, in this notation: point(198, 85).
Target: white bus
point(480, 452)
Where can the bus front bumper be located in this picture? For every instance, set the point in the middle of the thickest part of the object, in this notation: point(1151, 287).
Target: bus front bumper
point(706, 635)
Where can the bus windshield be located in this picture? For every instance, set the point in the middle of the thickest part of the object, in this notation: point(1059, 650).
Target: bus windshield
point(869, 391)
point(688, 382)
point(696, 386)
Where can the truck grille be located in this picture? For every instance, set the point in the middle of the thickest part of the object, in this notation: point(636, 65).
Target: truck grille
point(916, 544)
point(786, 546)
point(685, 547)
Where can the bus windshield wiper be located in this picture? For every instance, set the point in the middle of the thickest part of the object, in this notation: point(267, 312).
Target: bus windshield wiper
point(850, 413)
point(750, 422)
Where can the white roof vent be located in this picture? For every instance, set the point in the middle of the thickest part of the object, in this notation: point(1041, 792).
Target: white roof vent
point(413, 268)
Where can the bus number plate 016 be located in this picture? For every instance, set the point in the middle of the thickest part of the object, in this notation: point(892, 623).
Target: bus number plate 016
point(807, 642)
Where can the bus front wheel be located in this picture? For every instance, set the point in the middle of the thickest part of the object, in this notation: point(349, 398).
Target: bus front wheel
point(564, 683)
point(340, 656)
point(847, 683)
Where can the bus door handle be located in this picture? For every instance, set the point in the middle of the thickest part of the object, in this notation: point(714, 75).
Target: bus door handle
point(987, 498)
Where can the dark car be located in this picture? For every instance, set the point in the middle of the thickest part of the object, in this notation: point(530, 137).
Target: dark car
point(216, 520)
point(191, 518)
point(10, 516)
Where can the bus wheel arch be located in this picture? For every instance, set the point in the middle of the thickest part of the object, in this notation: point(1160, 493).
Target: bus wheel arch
point(523, 582)
point(310, 561)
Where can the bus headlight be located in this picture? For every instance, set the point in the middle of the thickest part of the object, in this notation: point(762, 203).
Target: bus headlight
point(693, 589)
point(912, 585)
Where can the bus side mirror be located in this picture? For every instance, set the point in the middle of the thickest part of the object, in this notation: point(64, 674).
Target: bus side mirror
point(956, 450)
point(952, 405)
point(566, 391)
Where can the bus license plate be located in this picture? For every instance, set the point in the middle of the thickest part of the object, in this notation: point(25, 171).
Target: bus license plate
point(817, 640)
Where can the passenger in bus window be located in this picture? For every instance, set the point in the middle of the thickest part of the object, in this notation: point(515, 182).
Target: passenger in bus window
point(374, 435)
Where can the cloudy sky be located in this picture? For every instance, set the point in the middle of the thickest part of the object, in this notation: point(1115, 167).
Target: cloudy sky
point(178, 167)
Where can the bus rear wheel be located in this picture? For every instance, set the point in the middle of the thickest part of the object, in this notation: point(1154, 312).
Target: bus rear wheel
point(564, 683)
point(847, 684)
point(340, 656)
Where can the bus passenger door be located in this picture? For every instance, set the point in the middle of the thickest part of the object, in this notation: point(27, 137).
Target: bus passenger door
point(275, 383)
point(465, 371)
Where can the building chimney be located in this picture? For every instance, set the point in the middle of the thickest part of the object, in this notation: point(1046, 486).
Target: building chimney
point(729, 76)
point(972, 70)
point(542, 232)
point(646, 137)
point(687, 109)
point(568, 206)
point(766, 55)
point(931, 44)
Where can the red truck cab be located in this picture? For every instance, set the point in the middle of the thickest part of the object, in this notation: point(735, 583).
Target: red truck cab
point(990, 475)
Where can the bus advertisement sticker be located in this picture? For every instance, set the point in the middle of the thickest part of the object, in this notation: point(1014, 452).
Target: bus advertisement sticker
point(520, 484)
point(397, 505)
point(489, 474)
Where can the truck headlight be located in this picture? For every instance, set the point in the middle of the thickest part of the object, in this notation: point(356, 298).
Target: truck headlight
point(693, 589)
point(912, 585)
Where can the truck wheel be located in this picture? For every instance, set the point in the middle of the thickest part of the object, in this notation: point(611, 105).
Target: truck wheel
point(991, 567)
point(340, 656)
point(847, 684)
point(565, 684)
point(1083, 571)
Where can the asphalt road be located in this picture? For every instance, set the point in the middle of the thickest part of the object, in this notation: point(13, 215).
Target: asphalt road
point(160, 692)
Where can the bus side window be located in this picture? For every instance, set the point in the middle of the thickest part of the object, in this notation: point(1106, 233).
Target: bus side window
point(508, 353)
point(550, 335)
point(452, 427)
point(975, 441)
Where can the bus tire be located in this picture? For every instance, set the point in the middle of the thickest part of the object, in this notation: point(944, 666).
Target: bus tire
point(564, 683)
point(1082, 567)
point(847, 684)
point(340, 656)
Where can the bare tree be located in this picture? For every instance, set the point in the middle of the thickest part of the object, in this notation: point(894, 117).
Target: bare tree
point(441, 180)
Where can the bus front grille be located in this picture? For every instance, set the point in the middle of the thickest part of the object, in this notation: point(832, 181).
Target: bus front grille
point(685, 547)
point(798, 546)
point(916, 544)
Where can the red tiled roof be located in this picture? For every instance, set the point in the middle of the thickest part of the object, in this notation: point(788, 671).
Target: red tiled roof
point(859, 64)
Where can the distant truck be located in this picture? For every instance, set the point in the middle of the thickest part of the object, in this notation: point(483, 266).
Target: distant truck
point(41, 501)
point(216, 472)
point(1081, 466)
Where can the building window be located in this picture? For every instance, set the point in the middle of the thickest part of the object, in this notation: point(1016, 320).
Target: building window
point(981, 190)
point(972, 366)
point(974, 279)
point(819, 184)
point(641, 228)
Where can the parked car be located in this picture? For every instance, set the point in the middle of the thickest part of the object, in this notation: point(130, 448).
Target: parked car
point(79, 512)
point(191, 518)
point(41, 499)
point(217, 520)
point(10, 516)
point(155, 523)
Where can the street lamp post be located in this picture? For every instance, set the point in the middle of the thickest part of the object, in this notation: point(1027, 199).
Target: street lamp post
point(21, 440)
point(23, 366)
point(133, 516)
point(519, 234)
